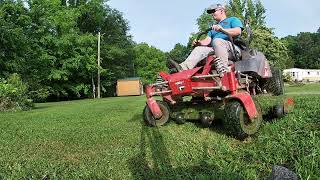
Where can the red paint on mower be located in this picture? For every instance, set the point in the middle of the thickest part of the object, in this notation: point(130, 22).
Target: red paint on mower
point(216, 91)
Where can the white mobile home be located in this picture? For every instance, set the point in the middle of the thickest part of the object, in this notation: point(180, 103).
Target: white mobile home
point(312, 75)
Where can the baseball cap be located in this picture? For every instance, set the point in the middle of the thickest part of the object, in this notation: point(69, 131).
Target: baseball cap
point(214, 7)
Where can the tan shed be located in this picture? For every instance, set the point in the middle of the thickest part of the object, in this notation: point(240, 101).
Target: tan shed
point(129, 87)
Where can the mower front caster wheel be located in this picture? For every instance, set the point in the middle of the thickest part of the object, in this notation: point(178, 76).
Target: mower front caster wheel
point(237, 121)
point(278, 111)
point(180, 119)
point(206, 120)
point(150, 120)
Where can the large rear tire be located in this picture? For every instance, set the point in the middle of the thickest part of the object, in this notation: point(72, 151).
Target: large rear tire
point(275, 84)
point(237, 121)
point(152, 121)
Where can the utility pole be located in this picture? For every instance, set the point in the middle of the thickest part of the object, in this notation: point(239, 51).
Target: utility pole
point(98, 90)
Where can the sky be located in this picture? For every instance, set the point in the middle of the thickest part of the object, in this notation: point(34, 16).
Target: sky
point(164, 23)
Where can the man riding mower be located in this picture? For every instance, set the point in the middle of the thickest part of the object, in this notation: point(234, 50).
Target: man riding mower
point(219, 89)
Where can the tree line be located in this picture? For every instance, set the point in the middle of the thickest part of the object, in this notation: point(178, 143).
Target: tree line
point(51, 46)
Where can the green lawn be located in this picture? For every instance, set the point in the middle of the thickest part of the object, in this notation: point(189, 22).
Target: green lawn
point(303, 89)
point(107, 139)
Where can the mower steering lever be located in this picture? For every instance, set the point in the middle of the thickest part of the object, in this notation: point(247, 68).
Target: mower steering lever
point(202, 33)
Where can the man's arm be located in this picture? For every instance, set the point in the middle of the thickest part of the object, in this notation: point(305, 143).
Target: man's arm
point(232, 31)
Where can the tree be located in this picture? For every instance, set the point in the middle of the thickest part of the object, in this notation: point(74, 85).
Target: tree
point(179, 53)
point(272, 47)
point(260, 14)
point(73, 3)
point(52, 45)
point(14, 49)
point(236, 8)
point(148, 62)
point(304, 49)
point(61, 48)
point(250, 12)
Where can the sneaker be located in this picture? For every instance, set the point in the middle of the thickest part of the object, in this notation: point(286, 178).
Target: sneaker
point(176, 65)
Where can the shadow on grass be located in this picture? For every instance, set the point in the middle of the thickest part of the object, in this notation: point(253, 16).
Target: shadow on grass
point(153, 161)
point(136, 117)
point(216, 126)
point(40, 107)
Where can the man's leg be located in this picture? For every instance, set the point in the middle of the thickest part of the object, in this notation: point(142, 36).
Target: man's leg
point(223, 50)
point(196, 56)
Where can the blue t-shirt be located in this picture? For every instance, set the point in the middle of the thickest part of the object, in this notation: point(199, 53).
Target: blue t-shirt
point(227, 23)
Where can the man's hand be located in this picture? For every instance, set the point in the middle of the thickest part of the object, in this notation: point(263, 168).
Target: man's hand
point(216, 27)
point(196, 43)
point(203, 42)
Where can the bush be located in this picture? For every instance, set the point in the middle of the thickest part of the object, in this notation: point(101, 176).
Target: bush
point(287, 78)
point(13, 94)
point(40, 94)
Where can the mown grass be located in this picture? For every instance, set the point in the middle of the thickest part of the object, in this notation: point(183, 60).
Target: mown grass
point(303, 89)
point(106, 139)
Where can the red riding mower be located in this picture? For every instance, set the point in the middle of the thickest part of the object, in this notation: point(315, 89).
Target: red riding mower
point(211, 91)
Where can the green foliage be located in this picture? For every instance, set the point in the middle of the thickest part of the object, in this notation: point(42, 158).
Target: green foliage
point(253, 11)
point(204, 21)
point(250, 11)
point(13, 94)
point(287, 78)
point(304, 50)
point(260, 14)
point(149, 61)
point(40, 94)
point(53, 45)
point(14, 46)
point(272, 47)
point(179, 53)
point(236, 8)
